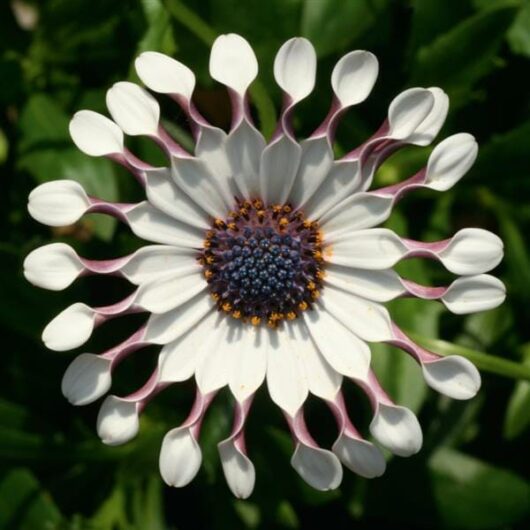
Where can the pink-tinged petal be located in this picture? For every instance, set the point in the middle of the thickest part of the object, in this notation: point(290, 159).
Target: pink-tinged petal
point(452, 376)
point(134, 110)
point(344, 179)
point(286, 377)
point(167, 293)
point(279, 165)
point(178, 360)
point(165, 75)
point(95, 134)
point(118, 421)
point(471, 294)
point(472, 251)
point(249, 360)
point(70, 329)
point(295, 68)
point(428, 129)
point(323, 380)
point(379, 286)
point(86, 379)
point(368, 320)
point(344, 351)
point(450, 161)
point(315, 163)
point(244, 147)
point(354, 76)
point(237, 467)
point(374, 249)
point(320, 468)
point(167, 327)
point(151, 224)
point(54, 266)
point(180, 455)
point(58, 203)
point(214, 367)
point(163, 193)
point(233, 62)
point(194, 178)
point(407, 111)
point(397, 429)
point(357, 212)
point(358, 455)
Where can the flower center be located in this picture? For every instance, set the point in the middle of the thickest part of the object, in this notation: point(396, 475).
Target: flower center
point(263, 264)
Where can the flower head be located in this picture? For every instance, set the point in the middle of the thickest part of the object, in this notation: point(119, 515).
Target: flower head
point(265, 262)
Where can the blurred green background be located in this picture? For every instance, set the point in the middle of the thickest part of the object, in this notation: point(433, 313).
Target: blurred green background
point(58, 56)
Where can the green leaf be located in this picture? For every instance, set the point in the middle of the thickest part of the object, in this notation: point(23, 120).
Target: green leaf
point(517, 418)
point(24, 505)
point(159, 35)
point(473, 495)
point(519, 33)
point(331, 25)
point(459, 58)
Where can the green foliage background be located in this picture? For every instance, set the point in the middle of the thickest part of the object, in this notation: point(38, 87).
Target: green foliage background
point(473, 471)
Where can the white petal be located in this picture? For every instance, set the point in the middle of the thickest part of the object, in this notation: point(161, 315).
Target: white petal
point(315, 164)
point(450, 161)
point(286, 378)
point(474, 293)
point(343, 350)
point(279, 164)
point(238, 470)
point(165, 294)
point(164, 194)
point(233, 62)
point(95, 134)
point(194, 178)
point(213, 369)
point(295, 68)
point(164, 74)
point(167, 327)
point(359, 211)
point(151, 224)
point(375, 249)
point(244, 146)
point(453, 376)
point(368, 320)
point(354, 77)
point(58, 202)
point(180, 457)
point(133, 109)
point(407, 111)
point(472, 251)
point(343, 179)
point(249, 362)
point(155, 261)
point(320, 468)
point(86, 379)
point(322, 379)
point(379, 286)
point(211, 148)
point(427, 130)
point(397, 428)
point(69, 329)
point(117, 421)
point(360, 456)
point(178, 359)
point(53, 266)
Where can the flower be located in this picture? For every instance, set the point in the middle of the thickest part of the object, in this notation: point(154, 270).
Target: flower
point(266, 263)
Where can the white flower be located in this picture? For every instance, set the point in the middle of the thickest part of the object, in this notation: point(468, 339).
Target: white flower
point(267, 266)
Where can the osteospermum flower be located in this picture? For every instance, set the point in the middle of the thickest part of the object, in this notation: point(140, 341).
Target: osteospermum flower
point(267, 265)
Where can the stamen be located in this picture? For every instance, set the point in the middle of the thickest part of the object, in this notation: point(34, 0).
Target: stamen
point(263, 264)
